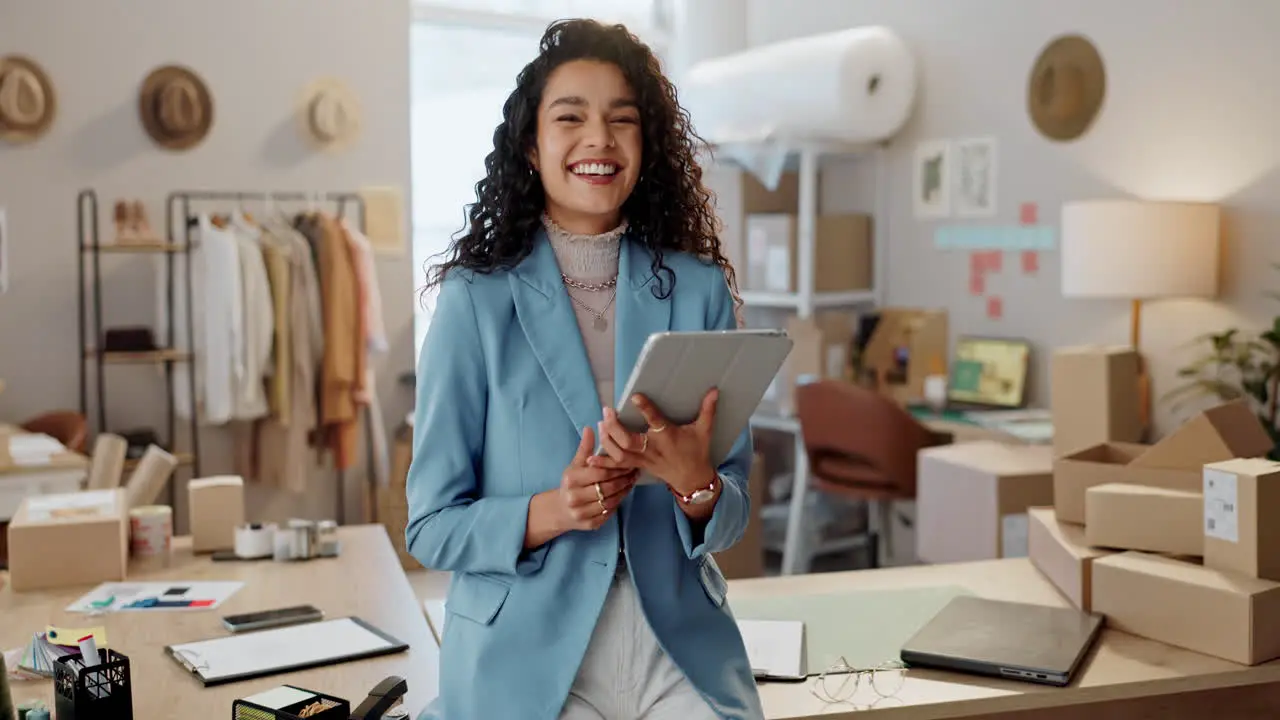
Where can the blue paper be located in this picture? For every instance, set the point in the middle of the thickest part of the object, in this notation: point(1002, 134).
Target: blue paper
point(995, 237)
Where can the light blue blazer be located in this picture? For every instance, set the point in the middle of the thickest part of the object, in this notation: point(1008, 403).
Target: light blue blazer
point(503, 388)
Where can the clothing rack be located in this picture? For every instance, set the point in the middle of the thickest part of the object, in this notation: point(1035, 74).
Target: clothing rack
point(180, 204)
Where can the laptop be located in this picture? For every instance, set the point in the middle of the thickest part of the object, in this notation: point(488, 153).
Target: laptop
point(988, 374)
point(1019, 641)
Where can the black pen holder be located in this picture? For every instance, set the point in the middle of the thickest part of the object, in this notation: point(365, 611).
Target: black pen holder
point(101, 692)
point(333, 709)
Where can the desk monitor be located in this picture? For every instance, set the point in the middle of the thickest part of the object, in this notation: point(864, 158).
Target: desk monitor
point(989, 373)
point(1020, 641)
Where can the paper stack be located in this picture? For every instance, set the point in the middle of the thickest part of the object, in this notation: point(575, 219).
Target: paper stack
point(1170, 541)
point(45, 648)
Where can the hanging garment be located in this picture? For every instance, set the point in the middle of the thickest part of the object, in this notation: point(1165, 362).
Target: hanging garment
point(370, 290)
point(275, 255)
point(216, 320)
point(249, 399)
point(342, 371)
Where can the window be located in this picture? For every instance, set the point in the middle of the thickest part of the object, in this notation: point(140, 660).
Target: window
point(464, 56)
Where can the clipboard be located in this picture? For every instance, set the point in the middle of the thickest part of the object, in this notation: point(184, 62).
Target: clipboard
point(251, 655)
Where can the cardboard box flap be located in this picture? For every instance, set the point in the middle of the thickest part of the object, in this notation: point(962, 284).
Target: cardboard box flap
point(995, 458)
point(1227, 431)
point(1130, 489)
point(67, 508)
point(1246, 466)
point(1188, 572)
point(1069, 537)
point(1111, 453)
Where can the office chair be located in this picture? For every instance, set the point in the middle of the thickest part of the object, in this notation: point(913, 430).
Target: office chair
point(66, 426)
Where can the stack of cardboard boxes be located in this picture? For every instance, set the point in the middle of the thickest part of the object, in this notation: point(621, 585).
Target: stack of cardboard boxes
point(1166, 540)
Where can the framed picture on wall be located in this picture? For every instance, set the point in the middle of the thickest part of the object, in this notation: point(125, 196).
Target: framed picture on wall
point(974, 179)
point(931, 188)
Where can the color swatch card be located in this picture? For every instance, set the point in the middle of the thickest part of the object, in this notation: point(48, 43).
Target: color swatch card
point(175, 595)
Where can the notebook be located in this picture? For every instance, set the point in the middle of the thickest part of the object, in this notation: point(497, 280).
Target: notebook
point(775, 648)
point(269, 652)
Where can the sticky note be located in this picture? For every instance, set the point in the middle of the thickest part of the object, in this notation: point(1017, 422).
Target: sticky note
point(995, 308)
point(1029, 213)
point(1030, 262)
point(994, 260)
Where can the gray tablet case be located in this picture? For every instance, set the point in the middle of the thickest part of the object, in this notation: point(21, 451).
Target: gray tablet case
point(1021, 641)
point(676, 370)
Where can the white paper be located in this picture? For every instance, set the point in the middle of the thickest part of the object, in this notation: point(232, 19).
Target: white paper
point(281, 697)
point(4, 251)
point(268, 650)
point(42, 508)
point(835, 360)
point(775, 648)
point(1221, 515)
point(123, 594)
point(33, 449)
point(778, 269)
point(974, 163)
point(1013, 535)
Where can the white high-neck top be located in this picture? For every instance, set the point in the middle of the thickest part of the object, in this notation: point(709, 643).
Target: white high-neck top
point(592, 260)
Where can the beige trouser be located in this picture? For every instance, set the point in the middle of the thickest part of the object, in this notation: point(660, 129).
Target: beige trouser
point(625, 674)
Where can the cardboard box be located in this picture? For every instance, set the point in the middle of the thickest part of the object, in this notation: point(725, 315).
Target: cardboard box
point(216, 505)
point(1059, 551)
point(1136, 517)
point(1227, 431)
point(822, 348)
point(1110, 462)
point(842, 253)
point(1179, 603)
point(1241, 508)
point(746, 558)
point(906, 346)
point(393, 503)
point(69, 539)
point(972, 499)
point(1093, 393)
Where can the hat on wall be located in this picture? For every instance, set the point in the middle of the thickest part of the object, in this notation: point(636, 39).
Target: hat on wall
point(27, 101)
point(1066, 87)
point(329, 114)
point(176, 107)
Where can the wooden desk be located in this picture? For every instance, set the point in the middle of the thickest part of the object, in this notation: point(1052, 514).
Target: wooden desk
point(1125, 677)
point(366, 581)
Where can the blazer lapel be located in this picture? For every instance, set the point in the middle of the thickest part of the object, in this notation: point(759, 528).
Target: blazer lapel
point(548, 320)
point(639, 312)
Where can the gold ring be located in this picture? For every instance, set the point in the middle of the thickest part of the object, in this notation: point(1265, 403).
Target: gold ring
point(603, 509)
point(658, 429)
point(599, 494)
point(644, 444)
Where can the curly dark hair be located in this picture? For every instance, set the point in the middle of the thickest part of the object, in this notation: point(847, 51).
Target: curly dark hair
point(669, 209)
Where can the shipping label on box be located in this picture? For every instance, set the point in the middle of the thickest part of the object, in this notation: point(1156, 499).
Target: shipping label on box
point(1241, 503)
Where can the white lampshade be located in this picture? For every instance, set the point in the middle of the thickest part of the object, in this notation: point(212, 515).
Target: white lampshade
point(1137, 249)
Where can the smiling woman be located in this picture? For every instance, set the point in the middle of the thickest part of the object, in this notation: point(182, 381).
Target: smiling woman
point(590, 231)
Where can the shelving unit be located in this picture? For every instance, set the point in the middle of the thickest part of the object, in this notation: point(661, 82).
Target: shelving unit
point(809, 156)
point(90, 249)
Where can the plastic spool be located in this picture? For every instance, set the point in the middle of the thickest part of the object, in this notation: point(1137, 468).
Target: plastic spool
point(151, 531)
point(255, 541)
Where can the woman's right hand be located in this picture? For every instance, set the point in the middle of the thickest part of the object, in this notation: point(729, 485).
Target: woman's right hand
point(587, 496)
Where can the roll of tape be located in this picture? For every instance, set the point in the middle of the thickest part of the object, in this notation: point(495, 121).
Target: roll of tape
point(255, 541)
point(150, 530)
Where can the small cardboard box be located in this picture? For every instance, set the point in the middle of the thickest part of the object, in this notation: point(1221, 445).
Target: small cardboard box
point(1110, 462)
point(1214, 612)
point(746, 558)
point(1226, 431)
point(1093, 392)
point(216, 505)
point(906, 346)
point(69, 539)
point(1059, 551)
point(393, 504)
point(1241, 508)
point(1137, 517)
point(972, 499)
point(841, 254)
point(822, 348)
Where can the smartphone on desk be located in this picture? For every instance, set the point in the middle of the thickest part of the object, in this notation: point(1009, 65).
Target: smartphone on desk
point(278, 617)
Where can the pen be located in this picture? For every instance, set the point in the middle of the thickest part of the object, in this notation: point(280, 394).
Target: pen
point(88, 651)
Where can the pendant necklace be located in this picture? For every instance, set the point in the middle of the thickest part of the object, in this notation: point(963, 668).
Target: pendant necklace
point(599, 324)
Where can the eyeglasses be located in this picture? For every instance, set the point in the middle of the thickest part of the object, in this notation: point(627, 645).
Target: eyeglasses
point(840, 682)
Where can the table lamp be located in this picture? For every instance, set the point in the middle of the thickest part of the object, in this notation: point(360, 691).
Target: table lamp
point(1139, 250)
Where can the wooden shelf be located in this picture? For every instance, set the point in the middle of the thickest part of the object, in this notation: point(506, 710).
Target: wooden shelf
point(136, 249)
point(143, 357)
point(755, 298)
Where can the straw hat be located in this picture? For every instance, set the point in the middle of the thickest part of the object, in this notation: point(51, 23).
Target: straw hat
point(27, 101)
point(176, 107)
point(1066, 88)
point(329, 114)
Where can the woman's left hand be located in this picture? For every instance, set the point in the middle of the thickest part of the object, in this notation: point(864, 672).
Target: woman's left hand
point(679, 455)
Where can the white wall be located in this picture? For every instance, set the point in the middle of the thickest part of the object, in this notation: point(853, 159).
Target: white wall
point(1192, 111)
point(256, 57)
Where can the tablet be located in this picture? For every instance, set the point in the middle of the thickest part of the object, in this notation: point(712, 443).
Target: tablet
point(675, 370)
